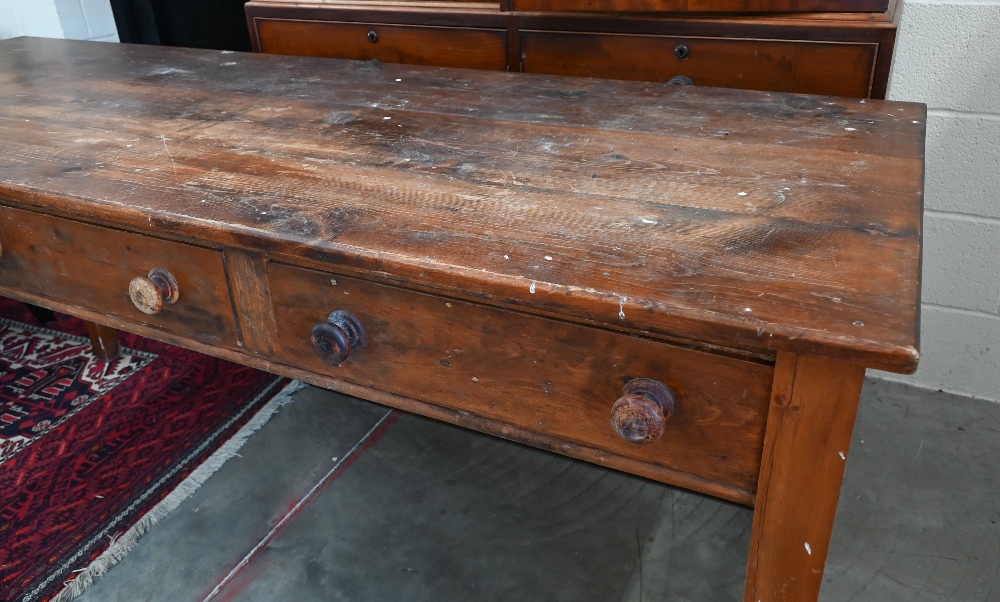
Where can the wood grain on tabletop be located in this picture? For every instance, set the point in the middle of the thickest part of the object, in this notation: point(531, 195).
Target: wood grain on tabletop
point(760, 220)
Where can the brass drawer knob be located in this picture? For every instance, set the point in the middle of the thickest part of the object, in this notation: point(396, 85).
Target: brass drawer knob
point(150, 293)
point(334, 339)
point(641, 412)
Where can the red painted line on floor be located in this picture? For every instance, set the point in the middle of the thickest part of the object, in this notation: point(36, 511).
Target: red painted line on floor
point(239, 585)
point(240, 581)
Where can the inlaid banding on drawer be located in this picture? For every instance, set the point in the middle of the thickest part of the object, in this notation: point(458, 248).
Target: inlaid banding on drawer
point(554, 378)
point(92, 267)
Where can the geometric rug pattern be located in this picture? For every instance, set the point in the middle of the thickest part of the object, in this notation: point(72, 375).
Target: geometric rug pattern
point(88, 447)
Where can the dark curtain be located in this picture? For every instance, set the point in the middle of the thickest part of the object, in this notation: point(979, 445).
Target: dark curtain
point(218, 24)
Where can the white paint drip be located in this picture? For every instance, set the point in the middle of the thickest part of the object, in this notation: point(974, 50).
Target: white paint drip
point(506, 256)
point(850, 129)
point(531, 288)
point(648, 221)
point(548, 258)
point(747, 309)
point(742, 194)
point(809, 549)
point(163, 139)
point(621, 308)
point(167, 71)
point(843, 456)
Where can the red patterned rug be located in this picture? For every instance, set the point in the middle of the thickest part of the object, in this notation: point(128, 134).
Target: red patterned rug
point(93, 452)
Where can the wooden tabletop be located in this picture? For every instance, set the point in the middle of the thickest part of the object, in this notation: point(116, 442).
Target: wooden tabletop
point(753, 220)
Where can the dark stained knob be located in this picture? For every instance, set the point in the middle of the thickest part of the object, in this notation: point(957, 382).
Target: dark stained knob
point(372, 37)
point(334, 339)
point(682, 51)
point(150, 293)
point(641, 412)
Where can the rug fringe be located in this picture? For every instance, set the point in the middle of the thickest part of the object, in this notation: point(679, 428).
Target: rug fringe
point(122, 545)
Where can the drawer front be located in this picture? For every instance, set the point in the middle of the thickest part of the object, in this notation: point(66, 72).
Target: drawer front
point(701, 6)
point(91, 267)
point(839, 69)
point(549, 377)
point(415, 45)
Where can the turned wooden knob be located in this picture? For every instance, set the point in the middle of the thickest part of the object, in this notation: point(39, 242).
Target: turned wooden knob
point(334, 339)
point(150, 293)
point(641, 412)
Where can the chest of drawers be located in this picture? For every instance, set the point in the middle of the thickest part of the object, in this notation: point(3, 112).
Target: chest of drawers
point(682, 283)
point(824, 47)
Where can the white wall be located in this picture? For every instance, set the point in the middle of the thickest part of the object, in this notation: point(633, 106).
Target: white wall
point(73, 19)
point(948, 56)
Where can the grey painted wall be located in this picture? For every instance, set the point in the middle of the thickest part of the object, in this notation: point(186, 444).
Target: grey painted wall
point(948, 56)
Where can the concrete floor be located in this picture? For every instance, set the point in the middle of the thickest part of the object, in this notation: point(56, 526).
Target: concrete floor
point(339, 499)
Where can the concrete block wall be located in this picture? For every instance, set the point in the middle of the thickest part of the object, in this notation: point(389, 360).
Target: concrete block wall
point(73, 19)
point(948, 56)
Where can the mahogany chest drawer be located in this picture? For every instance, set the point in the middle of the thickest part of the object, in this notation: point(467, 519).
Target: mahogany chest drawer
point(834, 68)
point(471, 48)
point(93, 267)
point(826, 52)
point(542, 375)
point(700, 6)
